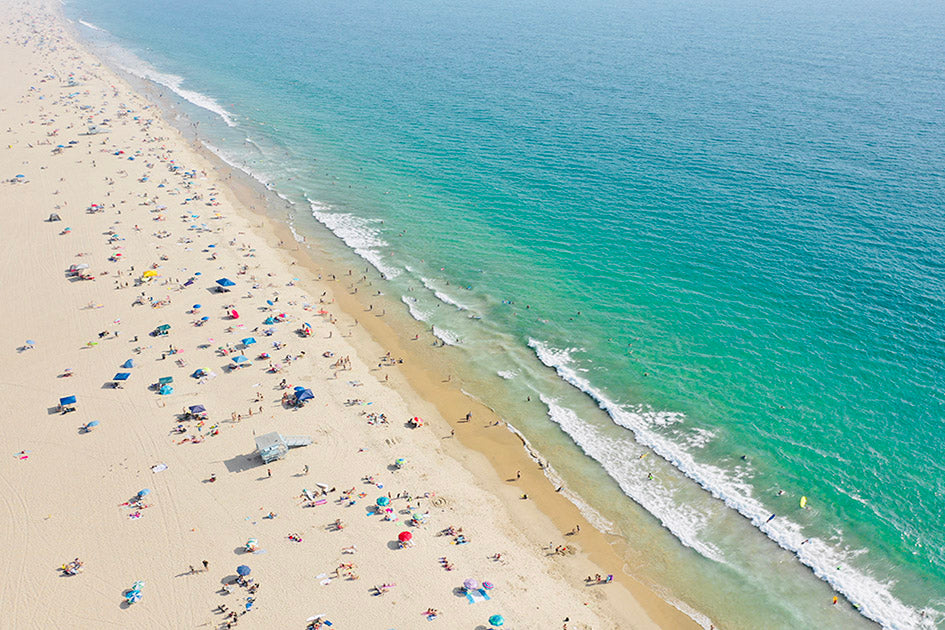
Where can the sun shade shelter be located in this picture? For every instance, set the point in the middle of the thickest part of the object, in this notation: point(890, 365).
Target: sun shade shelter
point(273, 446)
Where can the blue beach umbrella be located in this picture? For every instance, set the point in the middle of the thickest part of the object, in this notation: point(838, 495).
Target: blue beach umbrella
point(383, 501)
point(269, 321)
point(197, 409)
point(270, 302)
point(240, 360)
point(145, 492)
point(122, 376)
point(166, 390)
point(128, 364)
point(196, 306)
point(248, 341)
point(497, 620)
point(205, 319)
point(305, 394)
point(93, 423)
point(243, 570)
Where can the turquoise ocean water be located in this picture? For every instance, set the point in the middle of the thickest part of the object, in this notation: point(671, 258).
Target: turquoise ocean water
point(705, 239)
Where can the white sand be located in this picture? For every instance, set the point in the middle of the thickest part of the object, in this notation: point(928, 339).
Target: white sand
point(64, 500)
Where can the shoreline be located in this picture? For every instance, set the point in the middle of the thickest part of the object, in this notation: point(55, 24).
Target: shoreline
point(545, 511)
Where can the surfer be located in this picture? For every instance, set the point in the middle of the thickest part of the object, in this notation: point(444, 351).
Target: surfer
point(770, 518)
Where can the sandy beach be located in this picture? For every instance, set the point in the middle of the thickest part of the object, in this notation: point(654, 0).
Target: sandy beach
point(376, 524)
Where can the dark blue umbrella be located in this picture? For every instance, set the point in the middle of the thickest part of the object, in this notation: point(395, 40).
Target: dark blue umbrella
point(198, 409)
point(226, 282)
point(270, 302)
point(305, 394)
point(243, 570)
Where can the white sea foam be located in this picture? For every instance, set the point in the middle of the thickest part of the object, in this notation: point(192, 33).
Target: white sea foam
point(507, 374)
point(237, 164)
point(830, 562)
point(413, 309)
point(442, 296)
point(630, 473)
point(142, 69)
point(446, 336)
point(92, 26)
point(358, 234)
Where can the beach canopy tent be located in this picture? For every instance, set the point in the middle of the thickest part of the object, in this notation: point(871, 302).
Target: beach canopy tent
point(128, 364)
point(165, 380)
point(270, 321)
point(166, 390)
point(150, 273)
point(201, 372)
point(122, 376)
point(273, 446)
point(248, 341)
point(305, 394)
point(54, 217)
point(240, 360)
point(198, 409)
point(226, 282)
point(67, 401)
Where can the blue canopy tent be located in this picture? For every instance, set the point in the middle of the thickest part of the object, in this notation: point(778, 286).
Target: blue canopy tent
point(248, 341)
point(66, 403)
point(240, 361)
point(198, 409)
point(305, 394)
point(269, 321)
point(226, 282)
point(165, 390)
point(122, 376)
point(128, 364)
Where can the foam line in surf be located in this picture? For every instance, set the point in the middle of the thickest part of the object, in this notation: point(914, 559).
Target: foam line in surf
point(831, 563)
point(357, 233)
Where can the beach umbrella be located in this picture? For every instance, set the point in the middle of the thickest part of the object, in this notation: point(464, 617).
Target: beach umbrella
point(68, 400)
point(404, 537)
point(270, 302)
point(298, 388)
point(166, 390)
point(122, 376)
point(205, 319)
point(400, 462)
point(497, 620)
point(93, 423)
point(200, 372)
point(488, 586)
point(128, 364)
point(305, 394)
point(269, 321)
point(133, 597)
point(470, 584)
point(145, 492)
point(419, 516)
point(226, 282)
point(249, 341)
point(234, 314)
point(382, 501)
point(243, 570)
point(240, 360)
point(198, 409)
point(196, 306)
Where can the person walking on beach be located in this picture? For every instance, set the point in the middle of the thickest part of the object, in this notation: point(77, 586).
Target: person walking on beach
point(269, 472)
point(206, 565)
